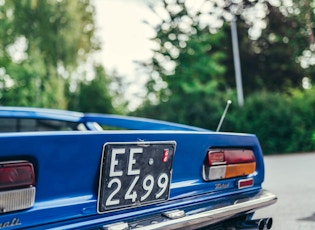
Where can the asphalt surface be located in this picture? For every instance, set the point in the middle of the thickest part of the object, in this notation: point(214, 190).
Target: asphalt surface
point(292, 179)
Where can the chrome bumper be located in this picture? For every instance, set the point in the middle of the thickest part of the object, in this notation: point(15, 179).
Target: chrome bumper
point(197, 219)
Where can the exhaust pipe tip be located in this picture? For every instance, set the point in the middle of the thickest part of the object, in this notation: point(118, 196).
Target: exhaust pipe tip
point(265, 224)
point(268, 223)
point(260, 224)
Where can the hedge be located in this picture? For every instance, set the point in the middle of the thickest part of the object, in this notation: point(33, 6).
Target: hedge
point(283, 123)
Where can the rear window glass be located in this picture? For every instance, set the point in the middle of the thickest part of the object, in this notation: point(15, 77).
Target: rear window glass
point(26, 125)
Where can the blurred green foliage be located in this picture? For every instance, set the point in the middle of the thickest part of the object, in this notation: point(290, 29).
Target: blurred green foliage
point(45, 50)
point(283, 123)
point(92, 95)
point(44, 62)
point(192, 71)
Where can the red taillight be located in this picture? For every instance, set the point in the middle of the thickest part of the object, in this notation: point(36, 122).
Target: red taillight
point(230, 156)
point(17, 185)
point(16, 174)
point(239, 156)
point(216, 157)
point(228, 163)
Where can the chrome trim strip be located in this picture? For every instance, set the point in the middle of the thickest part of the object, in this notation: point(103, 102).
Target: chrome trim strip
point(262, 199)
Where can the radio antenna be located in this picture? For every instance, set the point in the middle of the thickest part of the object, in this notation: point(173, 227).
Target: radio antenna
point(224, 114)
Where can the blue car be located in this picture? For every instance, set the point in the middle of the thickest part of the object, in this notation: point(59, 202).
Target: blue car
point(70, 170)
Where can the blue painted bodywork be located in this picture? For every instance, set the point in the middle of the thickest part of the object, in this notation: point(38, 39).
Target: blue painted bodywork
point(67, 167)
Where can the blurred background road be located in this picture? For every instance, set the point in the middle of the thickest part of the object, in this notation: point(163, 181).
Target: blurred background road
point(292, 179)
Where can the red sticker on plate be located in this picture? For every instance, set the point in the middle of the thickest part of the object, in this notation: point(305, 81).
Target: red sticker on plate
point(165, 155)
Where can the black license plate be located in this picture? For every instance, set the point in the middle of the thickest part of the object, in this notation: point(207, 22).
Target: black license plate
point(135, 174)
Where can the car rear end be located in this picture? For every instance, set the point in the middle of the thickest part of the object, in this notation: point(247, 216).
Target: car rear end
point(131, 179)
